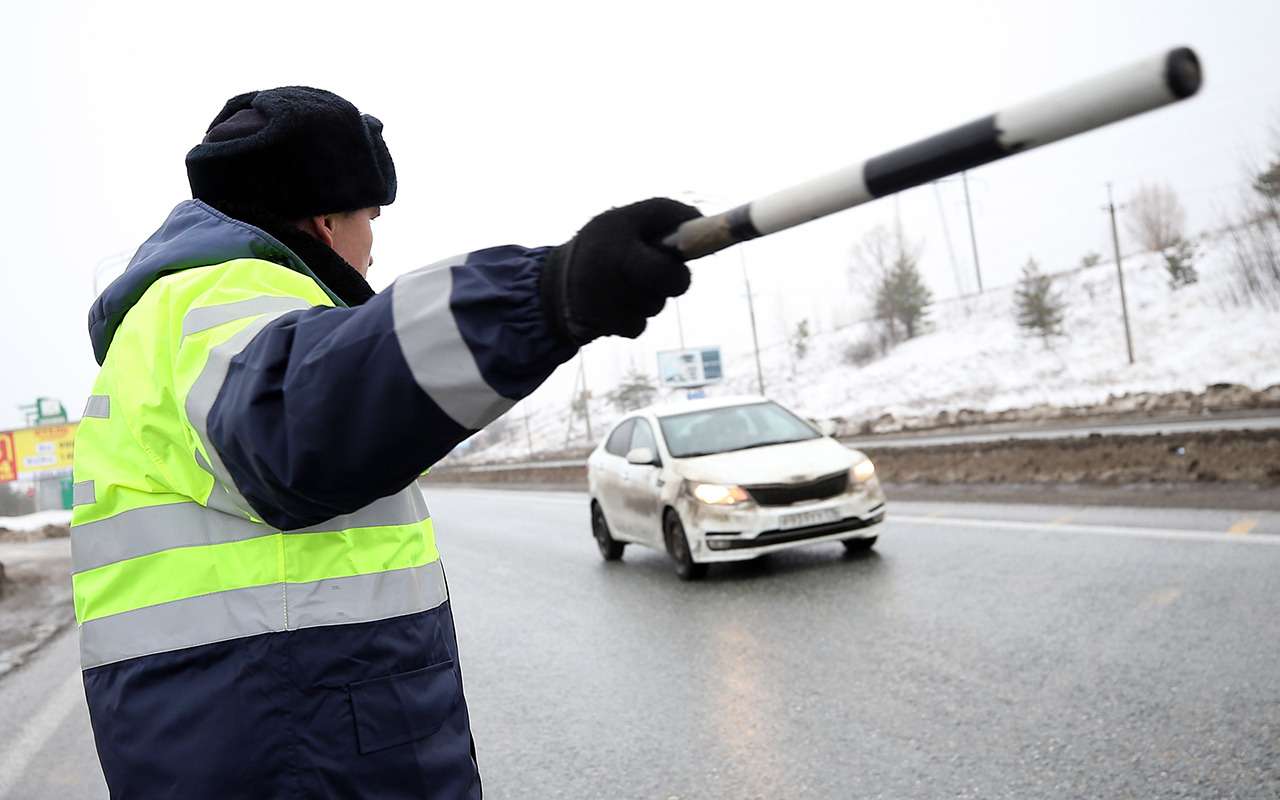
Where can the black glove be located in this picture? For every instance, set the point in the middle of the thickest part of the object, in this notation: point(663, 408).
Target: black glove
point(616, 272)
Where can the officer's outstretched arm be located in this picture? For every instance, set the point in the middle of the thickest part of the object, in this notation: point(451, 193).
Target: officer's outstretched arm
point(320, 411)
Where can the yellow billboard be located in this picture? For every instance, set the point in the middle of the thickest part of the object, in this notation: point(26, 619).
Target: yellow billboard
point(30, 453)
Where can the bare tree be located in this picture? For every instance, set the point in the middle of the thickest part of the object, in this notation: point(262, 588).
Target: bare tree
point(1156, 217)
point(1255, 239)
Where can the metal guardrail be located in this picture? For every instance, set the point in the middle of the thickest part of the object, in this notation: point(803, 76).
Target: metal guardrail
point(514, 466)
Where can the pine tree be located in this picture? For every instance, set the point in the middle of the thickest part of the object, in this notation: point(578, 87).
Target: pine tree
point(1179, 262)
point(635, 391)
point(1267, 182)
point(902, 299)
point(800, 340)
point(1039, 308)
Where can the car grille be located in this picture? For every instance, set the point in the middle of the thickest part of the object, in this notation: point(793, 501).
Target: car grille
point(787, 493)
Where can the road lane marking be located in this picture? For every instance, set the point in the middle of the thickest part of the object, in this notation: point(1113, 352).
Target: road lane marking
point(1093, 530)
point(1243, 526)
point(17, 754)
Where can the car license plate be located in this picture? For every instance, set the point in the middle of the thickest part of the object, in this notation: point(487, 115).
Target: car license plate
point(805, 519)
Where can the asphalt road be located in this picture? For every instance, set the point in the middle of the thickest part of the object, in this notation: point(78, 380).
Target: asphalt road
point(981, 651)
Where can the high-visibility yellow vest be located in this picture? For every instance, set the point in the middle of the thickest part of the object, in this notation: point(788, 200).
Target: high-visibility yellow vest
point(166, 553)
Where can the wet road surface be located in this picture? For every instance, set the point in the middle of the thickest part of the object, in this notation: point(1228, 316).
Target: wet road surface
point(980, 651)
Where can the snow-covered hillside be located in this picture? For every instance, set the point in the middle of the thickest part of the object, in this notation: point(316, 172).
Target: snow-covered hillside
point(975, 356)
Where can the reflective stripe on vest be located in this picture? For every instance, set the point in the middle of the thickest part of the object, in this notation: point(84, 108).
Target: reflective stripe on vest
point(164, 577)
point(254, 610)
point(166, 552)
point(205, 390)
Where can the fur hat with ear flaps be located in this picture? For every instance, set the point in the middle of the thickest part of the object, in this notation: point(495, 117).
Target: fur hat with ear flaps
point(294, 151)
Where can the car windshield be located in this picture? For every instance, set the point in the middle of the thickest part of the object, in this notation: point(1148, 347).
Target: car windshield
point(722, 430)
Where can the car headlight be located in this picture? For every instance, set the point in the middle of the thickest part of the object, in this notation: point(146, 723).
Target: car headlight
point(863, 471)
point(716, 494)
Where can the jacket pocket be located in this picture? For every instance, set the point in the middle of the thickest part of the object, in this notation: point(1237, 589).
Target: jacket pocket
point(405, 707)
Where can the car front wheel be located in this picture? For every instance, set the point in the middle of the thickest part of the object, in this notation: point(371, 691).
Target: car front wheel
point(678, 546)
point(610, 548)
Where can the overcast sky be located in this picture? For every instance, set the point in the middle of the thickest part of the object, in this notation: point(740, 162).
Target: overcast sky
point(516, 122)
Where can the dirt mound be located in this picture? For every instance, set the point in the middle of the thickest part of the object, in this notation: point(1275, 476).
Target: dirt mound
point(1240, 457)
point(1217, 398)
point(1226, 468)
point(36, 534)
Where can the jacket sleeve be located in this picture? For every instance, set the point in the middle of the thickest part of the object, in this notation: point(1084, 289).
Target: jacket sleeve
point(325, 410)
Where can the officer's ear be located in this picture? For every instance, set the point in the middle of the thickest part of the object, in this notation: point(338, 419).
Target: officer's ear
point(320, 226)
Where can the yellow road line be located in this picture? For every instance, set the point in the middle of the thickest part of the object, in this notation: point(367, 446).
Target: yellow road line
point(1243, 525)
point(1062, 519)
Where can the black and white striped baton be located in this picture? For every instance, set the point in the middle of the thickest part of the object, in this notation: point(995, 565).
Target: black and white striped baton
point(1144, 86)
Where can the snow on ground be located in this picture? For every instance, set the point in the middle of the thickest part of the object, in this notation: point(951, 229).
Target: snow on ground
point(36, 521)
point(973, 355)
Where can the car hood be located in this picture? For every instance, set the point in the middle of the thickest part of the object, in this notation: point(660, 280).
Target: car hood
point(795, 462)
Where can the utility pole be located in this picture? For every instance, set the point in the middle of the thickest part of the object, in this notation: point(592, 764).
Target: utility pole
point(946, 236)
point(679, 322)
point(973, 237)
point(586, 395)
point(527, 433)
point(751, 309)
point(697, 200)
point(579, 380)
point(1115, 241)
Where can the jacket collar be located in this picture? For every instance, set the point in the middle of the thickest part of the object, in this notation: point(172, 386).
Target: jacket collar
point(194, 235)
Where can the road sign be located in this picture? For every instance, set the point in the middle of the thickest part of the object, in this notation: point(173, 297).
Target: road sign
point(45, 411)
point(43, 451)
point(689, 368)
point(8, 458)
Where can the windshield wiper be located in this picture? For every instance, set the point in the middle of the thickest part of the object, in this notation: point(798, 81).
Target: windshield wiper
point(764, 444)
point(744, 447)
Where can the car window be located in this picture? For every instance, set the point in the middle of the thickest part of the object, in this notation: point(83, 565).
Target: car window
point(620, 440)
point(642, 436)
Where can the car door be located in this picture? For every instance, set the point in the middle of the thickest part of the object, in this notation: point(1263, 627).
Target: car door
point(642, 488)
point(610, 471)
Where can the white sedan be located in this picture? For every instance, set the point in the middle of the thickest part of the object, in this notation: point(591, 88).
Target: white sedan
point(727, 479)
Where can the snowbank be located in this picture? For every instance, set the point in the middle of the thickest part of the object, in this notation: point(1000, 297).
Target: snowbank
point(36, 521)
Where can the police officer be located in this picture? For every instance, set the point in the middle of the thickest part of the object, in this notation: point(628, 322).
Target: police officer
point(261, 604)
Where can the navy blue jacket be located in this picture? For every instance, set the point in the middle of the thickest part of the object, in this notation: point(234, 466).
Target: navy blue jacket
point(322, 413)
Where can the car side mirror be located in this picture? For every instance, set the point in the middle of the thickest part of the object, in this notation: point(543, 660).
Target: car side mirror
point(642, 456)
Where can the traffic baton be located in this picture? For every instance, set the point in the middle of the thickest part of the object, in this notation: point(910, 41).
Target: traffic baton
point(1149, 84)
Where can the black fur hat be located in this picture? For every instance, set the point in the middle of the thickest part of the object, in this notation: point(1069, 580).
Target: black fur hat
point(294, 151)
